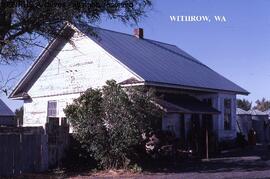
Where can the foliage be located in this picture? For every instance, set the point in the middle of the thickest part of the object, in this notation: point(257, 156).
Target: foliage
point(6, 82)
point(109, 123)
point(23, 22)
point(77, 158)
point(262, 105)
point(240, 140)
point(19, 116)
point(161, 144)
point(244, 104)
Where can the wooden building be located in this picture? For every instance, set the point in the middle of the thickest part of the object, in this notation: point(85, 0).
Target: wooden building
point(195, 96)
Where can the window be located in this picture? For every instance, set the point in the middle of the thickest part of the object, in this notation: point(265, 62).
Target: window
point(170, 126)
point(208, 101)
point(227, 114)
point(52, 108)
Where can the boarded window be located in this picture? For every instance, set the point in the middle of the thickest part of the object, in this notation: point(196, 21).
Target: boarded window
point(52, 108)
point(227, 114)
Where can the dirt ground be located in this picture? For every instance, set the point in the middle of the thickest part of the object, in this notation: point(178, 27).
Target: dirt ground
point(240, 163)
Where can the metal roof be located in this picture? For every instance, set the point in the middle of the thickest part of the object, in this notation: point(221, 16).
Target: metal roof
point(253, 112)
point(267, 111)
point(157, 63)
point(4, 109)
point(183, 103)
point(256, 112)
point(240, 111)
point(161, 63)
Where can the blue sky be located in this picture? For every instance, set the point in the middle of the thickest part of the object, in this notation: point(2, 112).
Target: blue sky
point(239, 48)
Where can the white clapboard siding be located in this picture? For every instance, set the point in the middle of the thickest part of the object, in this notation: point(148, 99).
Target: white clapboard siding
point(77, 68)
point(73, 70)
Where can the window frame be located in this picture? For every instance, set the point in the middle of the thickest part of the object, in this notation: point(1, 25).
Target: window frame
point(227, 114)
point(52, 110)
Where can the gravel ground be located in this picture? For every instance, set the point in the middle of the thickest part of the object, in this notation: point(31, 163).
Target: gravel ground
point(237, 167)
point(215, 175)
point(241, 164)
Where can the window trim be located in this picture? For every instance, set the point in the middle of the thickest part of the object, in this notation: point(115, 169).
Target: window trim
point(228, 125)
point(49, 109)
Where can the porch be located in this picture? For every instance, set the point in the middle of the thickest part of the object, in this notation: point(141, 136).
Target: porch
point(191, 121)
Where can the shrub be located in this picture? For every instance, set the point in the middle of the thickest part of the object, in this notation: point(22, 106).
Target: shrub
point(109, 122)
point(77, 158)
point(240, 140)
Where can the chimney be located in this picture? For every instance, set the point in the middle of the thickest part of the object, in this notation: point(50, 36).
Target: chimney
point(138, 33)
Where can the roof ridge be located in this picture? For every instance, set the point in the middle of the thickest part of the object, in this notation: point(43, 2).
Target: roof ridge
point(112, 31)
point(188, 58)
point(123, 33)
point(154, 42)
point(149, 40)
point(160, 42)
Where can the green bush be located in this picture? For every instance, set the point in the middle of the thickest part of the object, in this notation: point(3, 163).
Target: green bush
point(77, 158)
point(109, 123)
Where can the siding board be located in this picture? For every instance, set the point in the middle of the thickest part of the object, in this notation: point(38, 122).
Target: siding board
point(70, 73)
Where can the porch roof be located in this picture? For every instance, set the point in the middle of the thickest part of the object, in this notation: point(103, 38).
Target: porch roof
point(185, 104)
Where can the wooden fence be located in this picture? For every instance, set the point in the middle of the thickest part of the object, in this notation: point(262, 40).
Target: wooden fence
point(22, 150)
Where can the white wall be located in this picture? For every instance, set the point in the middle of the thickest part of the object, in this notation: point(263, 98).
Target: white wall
point(74, 70)
point(215, 104)
point(88, 65)
point(77, 68)
point(218, 120)
point(35, 110)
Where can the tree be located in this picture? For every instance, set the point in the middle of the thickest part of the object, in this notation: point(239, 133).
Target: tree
point(109, 123)
point(262, 105)
point(22, 22)
point(6, 82)
point(19, 116)
point(244, 104)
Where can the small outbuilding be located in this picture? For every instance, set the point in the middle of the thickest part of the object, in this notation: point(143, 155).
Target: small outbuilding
point(258, 120)
point(268, 113)
point(260, 125)
point(7, 117)
point(244, 122)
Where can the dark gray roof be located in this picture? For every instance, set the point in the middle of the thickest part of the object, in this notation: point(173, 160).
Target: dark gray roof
point(185, 104)
point(155, 62)
point(4, 109)
point(162, 63)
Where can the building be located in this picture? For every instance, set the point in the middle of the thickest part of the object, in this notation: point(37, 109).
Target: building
point(254, 119)
point(261, 125)
point(268, 113)
point(194, 96)
point(7, 117)
point(244, 122)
